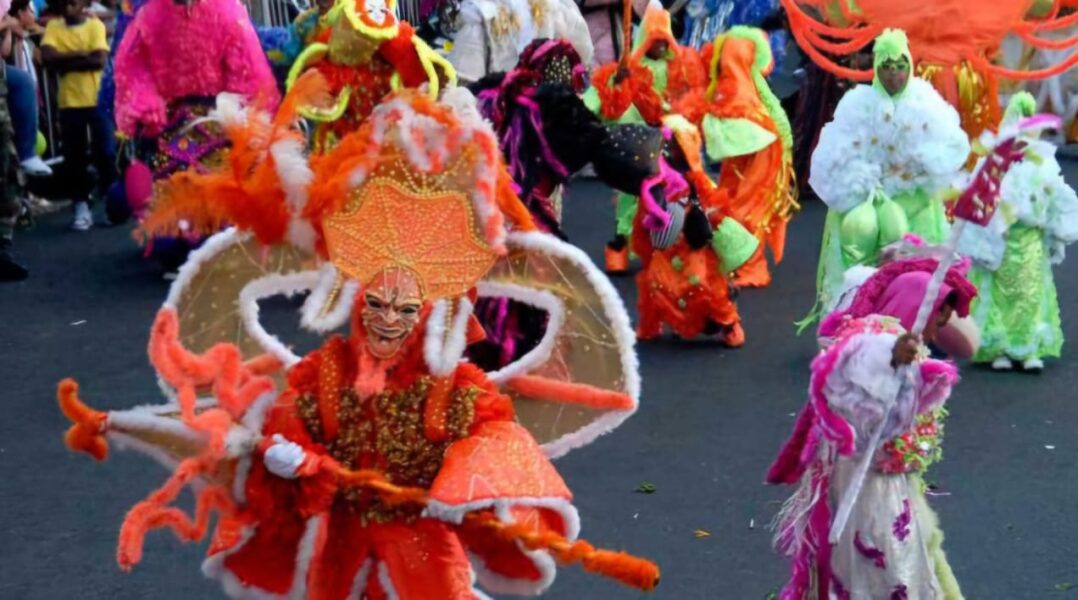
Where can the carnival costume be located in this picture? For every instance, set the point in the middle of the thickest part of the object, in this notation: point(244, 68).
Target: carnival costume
point(640, 89)
point(745, 127)
point(173, 61)
point(683, 281)
point(882, 166)
point(891, 546)
point(379, 465)
point(955, 43)
point(494, 32)
point(364, 52)
point(1017, 309)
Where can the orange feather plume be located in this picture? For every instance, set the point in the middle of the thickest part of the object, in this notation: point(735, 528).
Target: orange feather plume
point(248, 192)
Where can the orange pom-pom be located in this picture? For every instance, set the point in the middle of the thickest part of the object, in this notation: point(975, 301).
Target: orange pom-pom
point(87, 432)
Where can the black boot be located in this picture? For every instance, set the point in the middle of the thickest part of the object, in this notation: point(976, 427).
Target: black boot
point(10, 270)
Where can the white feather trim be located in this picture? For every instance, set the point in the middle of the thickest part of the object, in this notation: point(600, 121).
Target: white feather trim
point(541, 299)
point(311, 314)
point(268, 286)
point(614, 308)
point(214, 245)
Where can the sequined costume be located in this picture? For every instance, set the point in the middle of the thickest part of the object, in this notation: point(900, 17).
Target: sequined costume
point(881, 166)
point(380, 465)
point(493, 33)
point(642, 89)
point(172, 62)
point(364, 52)
point(745, 127)
point(683, 281)
point(891, 546)
point(1018, 309)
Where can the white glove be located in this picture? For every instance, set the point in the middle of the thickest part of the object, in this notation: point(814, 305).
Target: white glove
point(284, 458)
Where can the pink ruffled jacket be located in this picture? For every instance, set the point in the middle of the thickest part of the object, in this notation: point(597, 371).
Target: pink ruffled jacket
point(172, 51)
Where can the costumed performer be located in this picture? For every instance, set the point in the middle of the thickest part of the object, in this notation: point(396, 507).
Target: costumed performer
point(874, 374)
point(883, 163)
point(641, 88)
point(174, 59)
point(357, 478)
point(547, 134)
point(365, 52)
point(493, 33)
point(745, 127)
point(1017, 308)
point(683, 280)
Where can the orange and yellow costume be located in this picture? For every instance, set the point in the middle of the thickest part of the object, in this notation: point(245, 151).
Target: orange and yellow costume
point(364, 53)
point(384, 467)
point(642, 88)
point(745, 127)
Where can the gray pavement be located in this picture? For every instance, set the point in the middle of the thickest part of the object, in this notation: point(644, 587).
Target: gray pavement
point(710, 422)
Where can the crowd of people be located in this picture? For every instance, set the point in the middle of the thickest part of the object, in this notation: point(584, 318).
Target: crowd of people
point(411, 179)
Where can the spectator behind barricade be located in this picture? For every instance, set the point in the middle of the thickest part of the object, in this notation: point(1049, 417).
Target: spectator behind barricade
point(75, 47)
point(10, 183)
point(21, 98)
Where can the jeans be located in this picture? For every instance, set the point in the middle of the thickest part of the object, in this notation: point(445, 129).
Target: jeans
point(22, 103)
point(86, 136)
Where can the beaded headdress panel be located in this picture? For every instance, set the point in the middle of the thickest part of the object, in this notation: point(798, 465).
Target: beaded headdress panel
point(422, 199)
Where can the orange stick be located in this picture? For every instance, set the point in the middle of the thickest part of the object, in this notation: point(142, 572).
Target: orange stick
point(630, 570)
point(571, 393)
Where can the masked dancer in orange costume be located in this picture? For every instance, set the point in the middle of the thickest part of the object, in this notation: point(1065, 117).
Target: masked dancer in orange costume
point(386, 467)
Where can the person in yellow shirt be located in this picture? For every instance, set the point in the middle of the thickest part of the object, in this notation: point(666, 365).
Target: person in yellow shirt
point(76, 48)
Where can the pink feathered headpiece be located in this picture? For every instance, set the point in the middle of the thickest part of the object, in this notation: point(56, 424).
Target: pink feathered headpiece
point(896, 290)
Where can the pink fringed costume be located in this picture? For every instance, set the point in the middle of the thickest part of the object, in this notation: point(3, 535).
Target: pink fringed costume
point(173, 52)
point(891, 546)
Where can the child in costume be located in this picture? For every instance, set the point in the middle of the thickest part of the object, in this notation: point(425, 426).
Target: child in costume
point(872, 372)
point(745, 127)
point(642, 88)
point(356, 478)
point(882, 164)
point(683, 280)
point(1017, 308)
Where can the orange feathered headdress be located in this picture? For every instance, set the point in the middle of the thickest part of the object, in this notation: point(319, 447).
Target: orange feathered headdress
point(420, 186)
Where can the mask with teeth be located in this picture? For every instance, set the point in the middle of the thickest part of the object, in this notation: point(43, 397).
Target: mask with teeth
point(391, 305)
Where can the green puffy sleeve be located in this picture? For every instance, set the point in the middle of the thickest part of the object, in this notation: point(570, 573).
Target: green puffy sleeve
point(734, 244)
point(724, 138)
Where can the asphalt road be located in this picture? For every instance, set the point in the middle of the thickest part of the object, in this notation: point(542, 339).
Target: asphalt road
point(710, 422)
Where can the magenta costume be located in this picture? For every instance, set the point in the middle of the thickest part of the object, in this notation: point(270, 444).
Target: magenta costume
point(892, 545)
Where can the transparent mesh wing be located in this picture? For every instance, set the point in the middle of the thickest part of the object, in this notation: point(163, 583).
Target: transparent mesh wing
point(208, 305)
point(582, 379)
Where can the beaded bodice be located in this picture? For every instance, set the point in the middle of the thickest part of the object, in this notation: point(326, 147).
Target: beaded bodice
point(386, 432)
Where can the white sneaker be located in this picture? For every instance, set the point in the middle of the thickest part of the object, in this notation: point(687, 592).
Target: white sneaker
point(1002, 364)
point(35, 167)
point(1034, 365)
point(84, 220)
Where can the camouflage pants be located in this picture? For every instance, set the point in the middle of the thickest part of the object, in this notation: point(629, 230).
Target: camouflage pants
point(10, 177)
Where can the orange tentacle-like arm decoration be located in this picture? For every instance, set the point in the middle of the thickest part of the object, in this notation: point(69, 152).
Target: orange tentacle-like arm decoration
point(234, 383)
point(630, 570)
point(809, 33)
